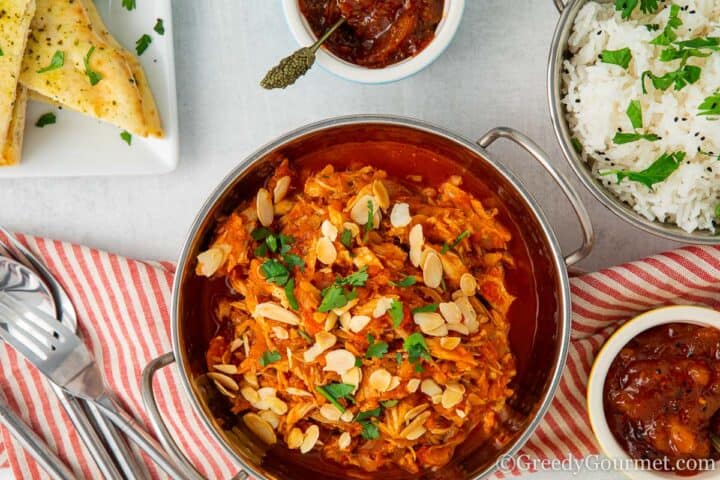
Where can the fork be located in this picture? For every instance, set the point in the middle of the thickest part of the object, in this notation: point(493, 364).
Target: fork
point(61, 356)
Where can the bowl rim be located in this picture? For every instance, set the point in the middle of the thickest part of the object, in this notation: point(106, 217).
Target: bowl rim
point(695, 315)
point(453, 12)
point(579, 166)
point(564, 308)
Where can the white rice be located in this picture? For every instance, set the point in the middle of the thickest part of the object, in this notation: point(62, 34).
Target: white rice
point(597, 96)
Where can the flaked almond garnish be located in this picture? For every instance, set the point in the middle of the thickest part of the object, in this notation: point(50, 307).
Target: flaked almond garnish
point(436, 398)
point(297, 392)
point(452, 395)
point(360, 210)
point(250, 394)
point(223, 390)
point(460, 328)
point(225, 368)
point(283, 207)
point(449, 343)
point(415, 411)
point(267, 392)
point(271, 417)
point(281, 188)
point(260, 427)
point(235, 344)
point(264, 207)
point(329, 230)
point(330, 321)
point(280, 333)
point(381, 194)
point(415, 426)
point(330, 412)
point(441, 331)
point(224, 380)
point(211, 260)
point(468, 284)
point(415, 433)
point(352, 377)
point(460, 413)
point(273, 311)
point(295, 438)
point(466, 308)
point(323, 341)
point(380, 380)
point(430, 388)
point(382, 306)
point(325, 251)
point(246, 344)
point(353, 227)
point(394, 383)
point(400, 215)
point(428, 321)
point(310, 438)
point(432, 270)
point(289, 355)
point(358, 323)
point(339, 361)
point(450, 312)
point(348, 306)
point(344, 441)
point(412, 385)
point(347, 416)
point(345, 320)
point(416, 241)
point(251, 379)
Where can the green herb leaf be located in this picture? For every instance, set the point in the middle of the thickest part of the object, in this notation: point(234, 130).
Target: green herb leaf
point(126, 136)
point(363, 416)
point(711, 105)
point(159, 27)
point(261, 250)
point(357, 279)
point(370, 431)
point(668, 35)
point(682, 77)
point(626, 6)
point(671, 54)
point(432, 307)
point(577, 145)
point(129, 4)
point(717, 212)
point(396, 312)
point(652, 27)
point(370, 219)
point(259, 234)
point(269, 357)
point(143, 43)
point(417, 349)
point(333, 392)
point(45, 119)
point(398, 357)
point(290, 294)
point(389, 403)
point(622, 138)
point(275, 272)
point(375, 350)
point(455, 242)
point(333, 297)
point(358, 362)
point(346, 238)
point(58, 60)
point(658, 172)
point(92, 75)
point(620, 57)
point(634, 113)
point(712, 43)
point(408, 281)
point(2, 54)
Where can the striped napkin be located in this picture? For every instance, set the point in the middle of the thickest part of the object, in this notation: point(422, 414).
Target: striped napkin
point(123, 306)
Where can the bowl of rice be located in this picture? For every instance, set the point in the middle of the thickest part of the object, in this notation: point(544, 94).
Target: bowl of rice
point(634, 93)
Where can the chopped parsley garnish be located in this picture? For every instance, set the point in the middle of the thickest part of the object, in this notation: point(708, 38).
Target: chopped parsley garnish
point(432, 307)
point(455, 243)
point(717, 211)
point(682, 77)
point(375, 349)
point(260, 234)
point(45, 119)
point(290, 294)
point(668, 35)
point(634, 113)
point(620, 57)
point(396, 312)
point(58, 60)
point(577, 145)
point(652, 27)
point(357, 279)
point(658, 172)
point(128, 4)
point(143, 43)
point(417, 350)
point(334, 297)
point(389, 403)
point(159, 27)
point(370, 430)
point(275, 272)
point(627, 6)
point(269, 357)
point(408, 281)
point(346, 238)
point(358, 362)
point(92, 75)
point(363, 416)
point(126, 136)
point(711, 105)
point(370, 219)
point(2, 54)
point(398, 357)
point(333, 392)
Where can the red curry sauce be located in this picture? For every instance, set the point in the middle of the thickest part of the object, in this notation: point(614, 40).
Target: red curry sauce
point(662, 395)
point(376, 33)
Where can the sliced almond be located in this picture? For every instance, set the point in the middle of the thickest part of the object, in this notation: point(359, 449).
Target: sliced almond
point(415, 433)
point(325, 251)
point(359, 212)
point(381, 194)
point(323, 341)
point(449, 343)
point(352, 377)
point(415, 411)
point(260, 427)
point(264, 207)
point(297, 392)
point(432, 270)
point(226, 368)
point(330, 412)
point(346, 308)
point(380, 380)
point(412, 385)
point(394, 383)
point(416, 241)
point(452, 395)
point(468, 284)
point(310, 438)
point(358, 323)
point(344, 441)
point(278, 406)
point(273, 311)
point(235, 344)
point(251, 379)
point(250, 394)
point(267, 392)
point(428, 321)
point(353, 227)
point(347, 416)
point(246, 345)
point(329, 230)
point(345, 320)
point(460, 413)
point(280, 333)
point(224, 380)
point(281, 188)
point(460, 328)
point(441, 331)
point(289, 355)
point(339, 361)
point(330, 321)
point(430, 388)
point(400, 215)
point(468, 312)
point(415, 426)
point(382, 306)
point(295, 438)
point(223, 390)
point(450, 312)
point(271, 418)
point(211, 260)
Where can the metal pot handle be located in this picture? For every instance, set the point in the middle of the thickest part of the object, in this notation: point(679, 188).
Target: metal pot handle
point(536, 152)
point(156, 420)
point(560, 5)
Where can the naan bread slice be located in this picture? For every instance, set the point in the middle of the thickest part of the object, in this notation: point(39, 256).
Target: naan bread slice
point(122, 97)
point(15, 19)
point(12, 149)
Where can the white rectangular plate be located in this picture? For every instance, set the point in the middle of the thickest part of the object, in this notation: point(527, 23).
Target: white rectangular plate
point(78, 145)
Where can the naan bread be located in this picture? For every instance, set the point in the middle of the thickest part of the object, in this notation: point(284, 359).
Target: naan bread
point(12, 149)
point(122, 97)
point(15, 18)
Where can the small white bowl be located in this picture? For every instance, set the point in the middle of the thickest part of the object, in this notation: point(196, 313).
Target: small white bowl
point(444, 34)
point(596, 383)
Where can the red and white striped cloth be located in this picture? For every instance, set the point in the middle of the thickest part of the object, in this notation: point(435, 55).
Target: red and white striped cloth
point(123, 309)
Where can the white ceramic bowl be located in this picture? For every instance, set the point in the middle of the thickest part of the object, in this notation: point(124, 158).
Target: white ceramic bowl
point(610, 447)
point(444, 34)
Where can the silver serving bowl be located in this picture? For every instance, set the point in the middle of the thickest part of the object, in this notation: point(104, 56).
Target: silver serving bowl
point(559, 52)
point(543, 334)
